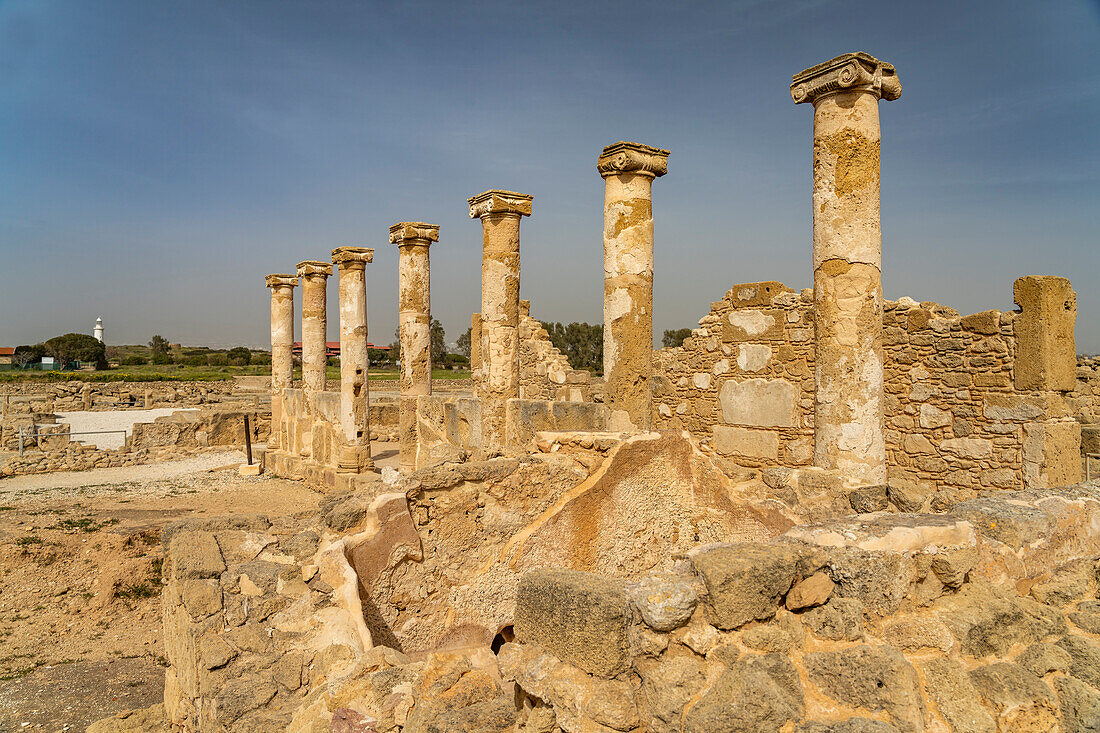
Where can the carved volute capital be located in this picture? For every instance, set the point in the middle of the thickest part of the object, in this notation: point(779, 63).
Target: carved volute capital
point(413, 232)
point(349, 257)
point(500, 202)
point(311, 268)
point(848, 72)
point(276, 281)
point(624, 157)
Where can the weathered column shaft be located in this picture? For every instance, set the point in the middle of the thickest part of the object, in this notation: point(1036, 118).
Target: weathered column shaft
point(628, 170)
point(354, 363)
point(849, 431)
point(282, 346)
point(314, 275)
point(500, 213)
point(414, 326)
point(475, 347)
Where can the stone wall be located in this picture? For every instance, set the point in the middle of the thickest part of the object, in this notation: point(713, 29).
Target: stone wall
point(544, 372)
point(199, 428)
point(743, 383)
point(982, 620)
point(27, 396)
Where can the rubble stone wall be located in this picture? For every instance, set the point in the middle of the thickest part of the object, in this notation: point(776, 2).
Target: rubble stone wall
point(544, 372)
point(68, 396)
point(743, 382)
point(986, 619)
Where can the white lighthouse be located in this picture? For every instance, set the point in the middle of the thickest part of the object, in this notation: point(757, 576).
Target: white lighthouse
point(98, 332)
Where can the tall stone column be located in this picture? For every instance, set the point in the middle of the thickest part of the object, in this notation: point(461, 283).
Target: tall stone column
point(628, 170)
point(414, 305)
point(848, 379)
point(500, 213)
point(282, 346)
point(314, 275)
point(354, 363)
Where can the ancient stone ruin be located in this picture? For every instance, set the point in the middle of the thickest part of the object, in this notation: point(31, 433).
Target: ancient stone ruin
point(825, 511)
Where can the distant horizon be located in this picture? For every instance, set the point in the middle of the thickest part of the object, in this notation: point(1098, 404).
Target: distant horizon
point(161, 158)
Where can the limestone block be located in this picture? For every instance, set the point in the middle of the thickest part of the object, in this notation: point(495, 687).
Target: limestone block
point(745, 581)
point(753, 694)
point(745, 442)
point(753, 357)
point(977, 448)
point(581, 618)
point(1020, 698)
point(875, 678)
point(756, 294)
point(933, 417)
point(665, 603)
point(1005, 408)
point(764, 403)
point(1046, 354)
point(754, 325)
point(950, 688)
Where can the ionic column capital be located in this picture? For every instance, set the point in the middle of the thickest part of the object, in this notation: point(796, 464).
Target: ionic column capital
point(635, 158)
point(313, 268)
point(279, 281)
point(849, 72)
point(349, 258)
point(413, 232)
point(500, 202)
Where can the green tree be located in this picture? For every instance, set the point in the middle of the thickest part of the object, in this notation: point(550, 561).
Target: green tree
point(77, 347)
point(239, 356)
point(24, 356)
point(675, 337)
point(582, 344)
point(158, 345)
point(463, 343)
point(439, 344)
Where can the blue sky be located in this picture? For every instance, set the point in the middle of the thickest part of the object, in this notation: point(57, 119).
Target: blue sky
point(157, 158)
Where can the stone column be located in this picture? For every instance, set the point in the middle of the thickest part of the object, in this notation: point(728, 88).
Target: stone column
point(628, 170)
point(847, 258)
point(354, 364)
point(282, 347)
point(475, 347)
point(414, 305)
point(314, 274)
point(500, 213)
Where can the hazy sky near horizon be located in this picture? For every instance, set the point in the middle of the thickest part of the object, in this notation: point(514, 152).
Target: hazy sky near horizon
point(158, 158)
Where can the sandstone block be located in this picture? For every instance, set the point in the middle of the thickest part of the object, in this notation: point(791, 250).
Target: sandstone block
point(1085, 659)
point(958, 700)
point(876, 678)
point(1042, 659)
point(987, 323)
point(747, 697)
point(581, 618)
point(1080, 705)
point(809, 592)
point(195, 555)
point(669, 685)
point(664, 603)
point(1020, 698)
point(200, 597)
point(765, 403)
point(987, 621)
point(735, 441)
point(841, 619)
point(745, 582)
point(933, 417)
point(868, 499)
point(1046, 354)
point(976, 448)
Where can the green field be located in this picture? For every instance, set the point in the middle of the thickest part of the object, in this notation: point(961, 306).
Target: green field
point(177, 372)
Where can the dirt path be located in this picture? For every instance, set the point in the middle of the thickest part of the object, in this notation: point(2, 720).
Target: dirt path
point(80, 558)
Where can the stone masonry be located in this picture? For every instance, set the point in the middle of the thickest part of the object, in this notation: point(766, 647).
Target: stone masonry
point(414, 325)
point(497, 377)
point(354, 364)
point(628, 170)
point(847, 260)
point(314, 275)
point(282, 343)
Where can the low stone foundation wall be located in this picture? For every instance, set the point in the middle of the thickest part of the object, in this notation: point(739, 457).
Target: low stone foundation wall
point(201, 428)
point(76, 457)
point(27, 396)
point(986, 619)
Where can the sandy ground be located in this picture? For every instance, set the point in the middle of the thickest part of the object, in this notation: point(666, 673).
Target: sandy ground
point(109, 420)
point(80, 559)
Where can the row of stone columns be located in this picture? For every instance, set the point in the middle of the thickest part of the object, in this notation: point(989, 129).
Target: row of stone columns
point(354, 364)
point(848, 400)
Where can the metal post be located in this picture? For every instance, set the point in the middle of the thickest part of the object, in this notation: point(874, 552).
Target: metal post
point(247, 441)
point(20, 441)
